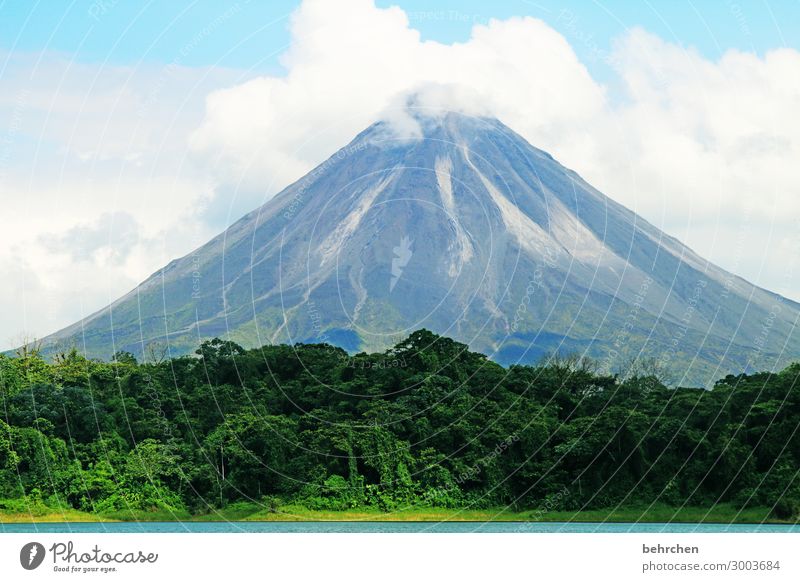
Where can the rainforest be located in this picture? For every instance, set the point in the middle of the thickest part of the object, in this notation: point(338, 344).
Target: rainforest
point(426, 427)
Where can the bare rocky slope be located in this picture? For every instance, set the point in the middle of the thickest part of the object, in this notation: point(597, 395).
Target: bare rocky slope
point(468, 231)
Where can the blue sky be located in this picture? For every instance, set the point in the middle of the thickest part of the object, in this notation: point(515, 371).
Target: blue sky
point(132, 132)
point(117, 32)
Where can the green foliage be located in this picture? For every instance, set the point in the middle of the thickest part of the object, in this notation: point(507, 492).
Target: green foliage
point(425, 424)
point(785, 509)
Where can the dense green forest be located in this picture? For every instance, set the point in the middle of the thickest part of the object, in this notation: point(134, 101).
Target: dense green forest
point(425, 424)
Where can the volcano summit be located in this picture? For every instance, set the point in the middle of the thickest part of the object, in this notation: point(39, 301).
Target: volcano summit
point(471, 232)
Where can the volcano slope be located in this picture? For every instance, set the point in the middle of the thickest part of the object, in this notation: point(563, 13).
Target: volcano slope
point(469, 231)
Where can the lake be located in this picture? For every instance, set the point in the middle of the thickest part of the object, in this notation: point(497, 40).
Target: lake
point(390, 527)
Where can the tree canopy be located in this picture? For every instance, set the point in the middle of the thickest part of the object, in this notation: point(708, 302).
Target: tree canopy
point(426, 423)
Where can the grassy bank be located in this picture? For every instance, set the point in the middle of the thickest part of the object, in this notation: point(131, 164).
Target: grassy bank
point(17, 511)
point(655, 514)
point(722, 513)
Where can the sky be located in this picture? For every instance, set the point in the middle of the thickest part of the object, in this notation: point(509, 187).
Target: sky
point(253, 37)
point(132, 132)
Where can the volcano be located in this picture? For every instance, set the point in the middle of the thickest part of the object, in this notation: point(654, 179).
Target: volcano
point(467, 230)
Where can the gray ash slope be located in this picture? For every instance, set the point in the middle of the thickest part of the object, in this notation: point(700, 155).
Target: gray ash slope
point(468, 231)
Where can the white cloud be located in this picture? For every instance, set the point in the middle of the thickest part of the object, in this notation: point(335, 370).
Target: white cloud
point(96, 187)
point(110, 239)
point(264, 133)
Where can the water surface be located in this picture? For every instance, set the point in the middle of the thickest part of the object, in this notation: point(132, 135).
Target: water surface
point(390, 527)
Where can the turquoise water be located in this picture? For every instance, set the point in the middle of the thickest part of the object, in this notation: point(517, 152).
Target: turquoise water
point(388, 527)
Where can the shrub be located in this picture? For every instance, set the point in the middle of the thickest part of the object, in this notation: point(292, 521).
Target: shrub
point(784, 508)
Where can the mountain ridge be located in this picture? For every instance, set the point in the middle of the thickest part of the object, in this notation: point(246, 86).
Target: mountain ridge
point(511, 253)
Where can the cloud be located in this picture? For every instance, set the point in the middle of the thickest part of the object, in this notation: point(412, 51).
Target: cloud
point(110, 238)
point(264, 133)
point(96, 187)
point(704, 149)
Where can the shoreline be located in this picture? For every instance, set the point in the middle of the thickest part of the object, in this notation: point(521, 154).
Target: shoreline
point(253, 513)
